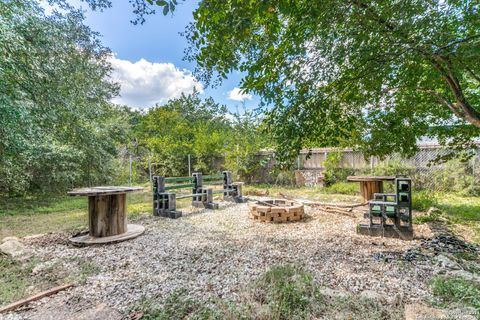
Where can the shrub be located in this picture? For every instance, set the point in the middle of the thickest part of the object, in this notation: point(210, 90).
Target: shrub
point(432, 215)
point(287, 291)
point(423, 200)
point(343, 188)
point(333, 172)
point(393, 168)
point(285, 178)
point(456, 290)
point(453, 177)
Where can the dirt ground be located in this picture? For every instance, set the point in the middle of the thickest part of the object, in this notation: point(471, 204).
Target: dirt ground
point(219, 252)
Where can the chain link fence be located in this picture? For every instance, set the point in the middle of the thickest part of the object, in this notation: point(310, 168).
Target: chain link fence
point(426, 172)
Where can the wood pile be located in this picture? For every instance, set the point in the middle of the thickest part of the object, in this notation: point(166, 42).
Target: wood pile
point(276, 211)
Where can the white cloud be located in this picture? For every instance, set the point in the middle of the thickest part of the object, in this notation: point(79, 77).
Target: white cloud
point(144, 83)
point(237, 95)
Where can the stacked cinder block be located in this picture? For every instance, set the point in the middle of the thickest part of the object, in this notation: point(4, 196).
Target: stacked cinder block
point(276, 211)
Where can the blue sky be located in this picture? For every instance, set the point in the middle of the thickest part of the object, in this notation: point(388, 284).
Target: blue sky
point(149, 58)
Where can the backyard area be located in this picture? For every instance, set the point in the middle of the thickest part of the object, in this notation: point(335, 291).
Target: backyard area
point(212, 159)
point(221, 264)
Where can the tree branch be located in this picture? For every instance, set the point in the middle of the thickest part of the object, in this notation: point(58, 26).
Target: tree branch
point(459, 41)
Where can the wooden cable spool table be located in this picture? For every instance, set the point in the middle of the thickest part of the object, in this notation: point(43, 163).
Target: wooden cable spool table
point(107, 215)
point(370, 184)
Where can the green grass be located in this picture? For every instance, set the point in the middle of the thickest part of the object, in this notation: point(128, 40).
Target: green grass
point(310, 193)
point(49, 213)
point(40, 204)
point(17, 279)
point(283, 292)
point(14, 279)
point(423, 200)
point(456, 291)
point(39, 214)
point(462, 214)
point(348, 188)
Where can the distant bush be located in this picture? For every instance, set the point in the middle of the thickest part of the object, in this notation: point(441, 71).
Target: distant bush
point(471, 191)
point(343, 188)
point(453, 176)
point(393, 168)
point(285, 178)
point(333, 172)
point(423, 200)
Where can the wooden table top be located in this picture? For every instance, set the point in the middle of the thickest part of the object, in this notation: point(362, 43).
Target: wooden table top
point(102, 191)
point(370, 178)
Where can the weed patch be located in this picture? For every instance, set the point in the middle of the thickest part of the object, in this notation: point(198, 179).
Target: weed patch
point(423, 200)
point(456, 291)
point(283, 292)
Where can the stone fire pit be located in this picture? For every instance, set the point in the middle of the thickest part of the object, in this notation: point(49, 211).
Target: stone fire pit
point(277, 210)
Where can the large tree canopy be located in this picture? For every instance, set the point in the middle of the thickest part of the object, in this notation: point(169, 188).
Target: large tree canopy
point(203, 129)
point(57, 127)
point(381, 74)
point(377, 75)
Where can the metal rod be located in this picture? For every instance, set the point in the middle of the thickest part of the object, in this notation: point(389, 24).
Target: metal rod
point(179, 179)
point(191, 195)
point(223, 191)
point(179, 186)
point(215, 183)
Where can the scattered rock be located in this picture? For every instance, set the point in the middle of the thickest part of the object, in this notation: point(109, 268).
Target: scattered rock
point(448, 244)
point(100, 312)
point(418, 311)
point(464, 274)
point(372, 295)
point(445, 262)
point(13, 248)
point(332, 293)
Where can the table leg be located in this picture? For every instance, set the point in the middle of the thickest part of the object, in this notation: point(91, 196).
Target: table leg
point(107, 215)
point(368, 188)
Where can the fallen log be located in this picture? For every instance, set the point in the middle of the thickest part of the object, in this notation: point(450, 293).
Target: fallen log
point(345, 213)
point(38, 296)
point(323, 204)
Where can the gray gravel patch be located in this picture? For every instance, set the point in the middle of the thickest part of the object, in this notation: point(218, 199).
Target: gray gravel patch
point(220, 252)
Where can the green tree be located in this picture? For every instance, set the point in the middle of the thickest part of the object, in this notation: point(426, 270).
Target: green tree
point(57, 128)
point(375, 75)
point(336, 72)
point(183, 126)
point(247, 139)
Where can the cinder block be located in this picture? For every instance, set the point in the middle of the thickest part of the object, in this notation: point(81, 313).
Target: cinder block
point(263, 209)
point(278, 210)
point(265, 219)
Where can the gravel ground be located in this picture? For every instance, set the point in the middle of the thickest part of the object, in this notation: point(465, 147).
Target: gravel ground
point(219, 252)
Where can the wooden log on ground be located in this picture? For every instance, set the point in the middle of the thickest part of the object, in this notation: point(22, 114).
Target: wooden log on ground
point(322, 204)
point(38, 296)
point(349, 214)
